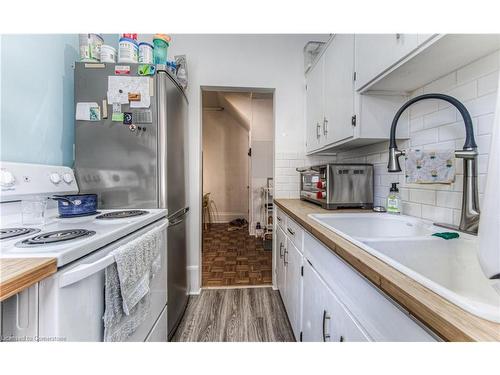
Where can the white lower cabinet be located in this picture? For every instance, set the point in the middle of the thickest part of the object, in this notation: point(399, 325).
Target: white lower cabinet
point(323, 316)
point(289, 279)
point(279, 265)
point(327, 300)
point(293, 290)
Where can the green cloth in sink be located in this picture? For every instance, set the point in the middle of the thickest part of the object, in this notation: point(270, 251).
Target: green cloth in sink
point(447, 235)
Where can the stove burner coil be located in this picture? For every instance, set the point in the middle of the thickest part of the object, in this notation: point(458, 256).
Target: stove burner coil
point(6, 233)
point(121, 214)
point(55, 237)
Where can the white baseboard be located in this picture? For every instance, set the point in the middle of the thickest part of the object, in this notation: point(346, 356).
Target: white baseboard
point(226, 217)
point(194, 285)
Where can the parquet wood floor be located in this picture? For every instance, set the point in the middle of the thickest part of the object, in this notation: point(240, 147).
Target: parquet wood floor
point(234, 258)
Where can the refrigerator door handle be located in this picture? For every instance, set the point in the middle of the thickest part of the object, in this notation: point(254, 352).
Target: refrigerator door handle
point(178, 217)
point(178, 213)
point(175, 222)
point(162, 139)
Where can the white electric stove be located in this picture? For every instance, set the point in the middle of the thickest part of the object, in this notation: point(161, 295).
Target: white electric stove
point(71, 302)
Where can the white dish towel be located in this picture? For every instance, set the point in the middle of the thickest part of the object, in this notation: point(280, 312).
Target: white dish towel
point(430, 167)
point(127, 298)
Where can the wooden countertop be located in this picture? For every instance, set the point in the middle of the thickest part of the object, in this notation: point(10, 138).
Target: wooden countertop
point(17, 274)
point(446, 319)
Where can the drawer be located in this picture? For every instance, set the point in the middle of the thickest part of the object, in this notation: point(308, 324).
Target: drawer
point(379, 316)
point(295, 233)
point(281, 219)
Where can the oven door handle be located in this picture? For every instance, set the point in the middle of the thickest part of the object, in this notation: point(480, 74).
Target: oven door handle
point(87, 269)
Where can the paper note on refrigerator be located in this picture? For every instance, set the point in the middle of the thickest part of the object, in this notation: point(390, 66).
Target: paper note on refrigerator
point(119, 88)
point(87, 111)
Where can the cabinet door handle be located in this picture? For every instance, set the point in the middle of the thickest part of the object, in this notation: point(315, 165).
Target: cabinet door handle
point(281, 248)
point(398, 36)
point(341, 339)
point(285, 262)
point(290, 231)
point(279, 218)
point(325, 126)
point(318, 128)
point(326, 317)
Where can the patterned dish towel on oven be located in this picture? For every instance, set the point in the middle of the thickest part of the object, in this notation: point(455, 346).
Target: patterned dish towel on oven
point(430, 167)
point(127, 297)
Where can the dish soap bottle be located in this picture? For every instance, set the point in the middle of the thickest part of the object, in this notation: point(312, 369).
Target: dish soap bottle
point(394, 200)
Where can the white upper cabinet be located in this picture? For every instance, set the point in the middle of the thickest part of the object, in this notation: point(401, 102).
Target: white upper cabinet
point(338, 89)
point(401, 63)
point(338, 117)
point(375, 53)
point(314, 105)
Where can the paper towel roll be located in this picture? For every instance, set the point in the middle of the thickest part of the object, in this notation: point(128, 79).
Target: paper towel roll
point(489, 224)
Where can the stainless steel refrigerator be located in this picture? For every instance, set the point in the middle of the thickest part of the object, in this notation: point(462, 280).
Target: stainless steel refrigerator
point(132, 154)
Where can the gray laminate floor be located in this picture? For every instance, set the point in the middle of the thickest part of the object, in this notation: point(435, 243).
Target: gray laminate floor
point(250, 314)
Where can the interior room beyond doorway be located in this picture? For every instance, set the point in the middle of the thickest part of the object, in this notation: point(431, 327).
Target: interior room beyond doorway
point(238, 155)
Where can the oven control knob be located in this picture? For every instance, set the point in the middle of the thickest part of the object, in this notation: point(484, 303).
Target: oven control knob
point(55, 178)
point(68, 178)
point(7, 178)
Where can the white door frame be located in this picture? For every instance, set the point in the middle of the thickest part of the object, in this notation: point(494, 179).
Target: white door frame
point(200, 182)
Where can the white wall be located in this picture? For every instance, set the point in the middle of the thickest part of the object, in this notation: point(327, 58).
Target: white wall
point(435, 125)
point(225, 164)
point(253, 61)
point(262, 155)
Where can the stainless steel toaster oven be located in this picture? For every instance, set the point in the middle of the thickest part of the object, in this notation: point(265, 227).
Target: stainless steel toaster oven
point(337, 185)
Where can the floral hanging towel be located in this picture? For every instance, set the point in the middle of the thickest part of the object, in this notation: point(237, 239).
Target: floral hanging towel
point(430, 167)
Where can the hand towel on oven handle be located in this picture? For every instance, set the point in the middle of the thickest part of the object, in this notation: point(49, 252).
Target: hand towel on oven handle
point(127, 297)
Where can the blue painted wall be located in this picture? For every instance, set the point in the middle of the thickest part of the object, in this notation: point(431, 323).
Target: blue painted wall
point(37, 110)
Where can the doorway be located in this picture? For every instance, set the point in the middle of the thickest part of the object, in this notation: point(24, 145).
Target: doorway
point(237, 181)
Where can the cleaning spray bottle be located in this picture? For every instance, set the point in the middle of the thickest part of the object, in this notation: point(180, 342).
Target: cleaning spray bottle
point(394, 200)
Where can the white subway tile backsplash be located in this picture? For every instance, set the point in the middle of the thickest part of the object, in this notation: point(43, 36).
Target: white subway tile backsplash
point(481, 183)
point(441, 146)
point(485, 123)
point(483, 143)
point(458, 184)
point(435, 125)
point(437, 214)
point(424, 137)
point(479, 68)
point(463, 93)
point(282, 163)
point(483, 105)
point(412, 209)
point(423, 107)
point(449, 199)
point(373, 159)
point(423, 196)
point(445, 116)
point(452, 131)
point(487, 84)
point(416, 124)
point(482, 164)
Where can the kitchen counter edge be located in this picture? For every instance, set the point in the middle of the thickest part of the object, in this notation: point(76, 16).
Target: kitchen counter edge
point(17, 274)
point(447, 320)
